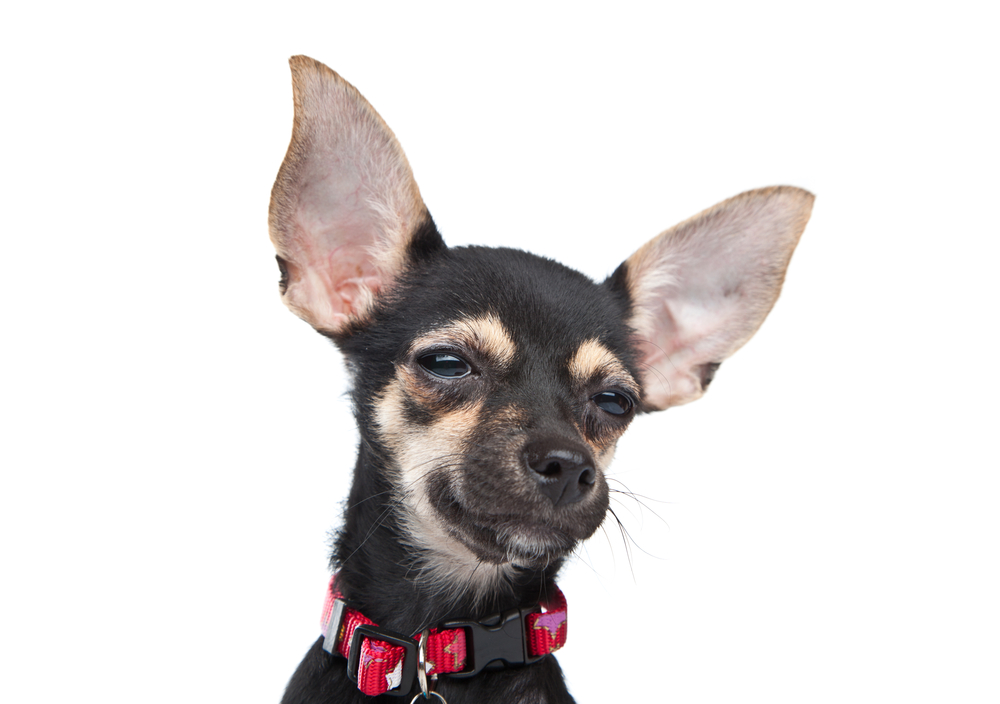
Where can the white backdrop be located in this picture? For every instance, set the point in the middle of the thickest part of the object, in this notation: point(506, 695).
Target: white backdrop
point(822, 527)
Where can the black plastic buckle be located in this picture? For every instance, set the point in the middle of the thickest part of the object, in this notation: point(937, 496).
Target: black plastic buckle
point(409, 672)
point(496, 642)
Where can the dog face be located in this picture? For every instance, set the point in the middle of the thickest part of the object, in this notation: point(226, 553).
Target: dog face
point(506, 393)
point(491, 385)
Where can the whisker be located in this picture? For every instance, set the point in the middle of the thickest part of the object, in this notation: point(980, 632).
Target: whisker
point(625, 541)
point(626, 533)
point(638, 498)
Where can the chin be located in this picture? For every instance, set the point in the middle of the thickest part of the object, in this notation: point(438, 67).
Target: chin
point(515, 541)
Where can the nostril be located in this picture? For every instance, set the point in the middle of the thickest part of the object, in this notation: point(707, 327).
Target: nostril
point(553, 463)
point(565, 474)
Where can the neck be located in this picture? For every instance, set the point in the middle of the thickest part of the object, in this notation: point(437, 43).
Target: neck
point(408, 582)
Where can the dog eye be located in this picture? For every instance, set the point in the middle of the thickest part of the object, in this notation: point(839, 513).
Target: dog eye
point(445, 366)
point(613, 402)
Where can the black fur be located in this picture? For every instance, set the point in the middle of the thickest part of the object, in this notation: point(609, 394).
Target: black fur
point(549, 310)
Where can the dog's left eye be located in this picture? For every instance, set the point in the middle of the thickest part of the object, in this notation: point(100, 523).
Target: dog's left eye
point(446, 366)
point(613, 402)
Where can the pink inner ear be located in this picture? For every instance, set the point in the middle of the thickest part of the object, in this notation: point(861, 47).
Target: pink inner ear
point(673, 355)
point(702, 288)
point(344, 205)
point(333, 277)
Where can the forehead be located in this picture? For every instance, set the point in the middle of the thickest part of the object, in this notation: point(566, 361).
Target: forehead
point(542, 305)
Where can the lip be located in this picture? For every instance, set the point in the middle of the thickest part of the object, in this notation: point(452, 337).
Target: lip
point(524, 542)
point(498, 539)
point(534, 541)
point(513, 528)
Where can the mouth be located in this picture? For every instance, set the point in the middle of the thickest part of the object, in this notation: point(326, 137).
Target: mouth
point(524, 540)
point(517, 541)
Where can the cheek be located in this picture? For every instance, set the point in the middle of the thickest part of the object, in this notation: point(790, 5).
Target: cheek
point(390, 418)
point(602, 434)
point(421, 450)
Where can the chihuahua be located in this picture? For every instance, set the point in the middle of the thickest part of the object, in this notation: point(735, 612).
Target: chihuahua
point(490, 387)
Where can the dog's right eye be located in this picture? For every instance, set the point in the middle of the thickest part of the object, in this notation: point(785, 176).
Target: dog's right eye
point(445, 366)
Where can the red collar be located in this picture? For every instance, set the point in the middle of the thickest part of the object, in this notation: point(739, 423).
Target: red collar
point(380, 660)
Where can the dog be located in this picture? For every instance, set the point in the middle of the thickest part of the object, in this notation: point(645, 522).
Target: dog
point(490, 387)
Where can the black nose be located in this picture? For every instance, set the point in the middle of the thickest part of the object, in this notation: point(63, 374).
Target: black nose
point(564, 474)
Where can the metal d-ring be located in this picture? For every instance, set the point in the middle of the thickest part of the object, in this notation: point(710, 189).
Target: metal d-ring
point(422, 661)
point(422, 669)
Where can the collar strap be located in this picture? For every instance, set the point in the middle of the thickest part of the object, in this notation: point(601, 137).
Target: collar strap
point(385, 662)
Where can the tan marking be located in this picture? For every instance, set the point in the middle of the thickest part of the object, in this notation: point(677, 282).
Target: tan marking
point(592, 359)
point(393, 426)
point(452, 430)
point(417, 388)
point(484, 334)
point(605, 456)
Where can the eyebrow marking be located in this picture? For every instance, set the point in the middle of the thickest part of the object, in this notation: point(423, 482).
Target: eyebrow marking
point(484, 334)
point(592, 359)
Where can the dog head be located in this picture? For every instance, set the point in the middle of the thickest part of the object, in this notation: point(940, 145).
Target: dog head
point(492, 385)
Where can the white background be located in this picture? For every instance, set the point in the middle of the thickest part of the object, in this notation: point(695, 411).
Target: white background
point(822, 527)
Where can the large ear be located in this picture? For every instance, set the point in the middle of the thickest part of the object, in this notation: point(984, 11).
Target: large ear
point(701, 289)
point(346, 212)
